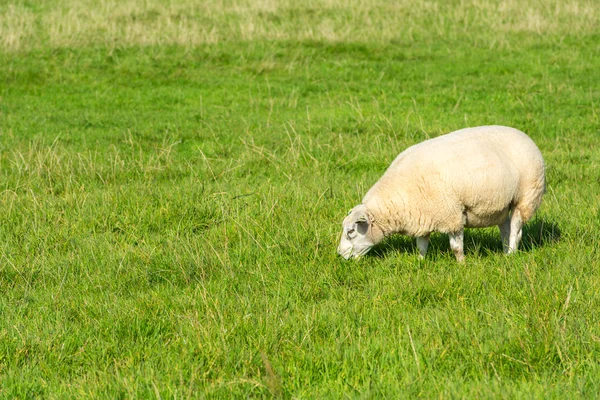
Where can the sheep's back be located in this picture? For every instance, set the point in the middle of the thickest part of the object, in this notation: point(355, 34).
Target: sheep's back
point(480, 172)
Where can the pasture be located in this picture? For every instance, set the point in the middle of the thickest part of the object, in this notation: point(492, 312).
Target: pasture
point(174, 175)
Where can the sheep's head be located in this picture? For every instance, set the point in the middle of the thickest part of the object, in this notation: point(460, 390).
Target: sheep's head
point(357, 234)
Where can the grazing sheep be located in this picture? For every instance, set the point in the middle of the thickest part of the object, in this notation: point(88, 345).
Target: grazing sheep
point(474, 177)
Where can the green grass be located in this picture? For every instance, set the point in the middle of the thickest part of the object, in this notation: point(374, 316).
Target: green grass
point(171, 201)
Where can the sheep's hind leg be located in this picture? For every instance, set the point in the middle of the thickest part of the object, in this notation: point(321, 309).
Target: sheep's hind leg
point(505, 233)
point(516, 231)
point(423, 244)
point(456, 244)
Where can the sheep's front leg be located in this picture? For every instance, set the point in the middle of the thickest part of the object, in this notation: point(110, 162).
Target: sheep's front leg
point(505, 234)
point(423, 244)
point(516, 231)
point(456, 244)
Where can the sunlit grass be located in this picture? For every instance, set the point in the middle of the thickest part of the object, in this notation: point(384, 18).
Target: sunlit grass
point(65, 23)
point(173, 186)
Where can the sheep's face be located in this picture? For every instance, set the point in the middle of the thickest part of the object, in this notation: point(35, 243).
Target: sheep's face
point(356, 234)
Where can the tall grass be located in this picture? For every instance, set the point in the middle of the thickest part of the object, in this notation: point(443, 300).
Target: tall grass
point(63, 23)
point(174, 175)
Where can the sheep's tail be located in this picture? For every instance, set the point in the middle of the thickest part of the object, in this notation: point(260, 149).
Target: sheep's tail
point(531, 198)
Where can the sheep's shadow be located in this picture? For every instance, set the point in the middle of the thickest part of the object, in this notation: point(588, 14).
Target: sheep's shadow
point(539, 232)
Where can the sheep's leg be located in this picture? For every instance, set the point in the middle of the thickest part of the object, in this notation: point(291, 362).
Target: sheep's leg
point(516, 225)
point(423, 244)
point(505, 233)
point(456, 244)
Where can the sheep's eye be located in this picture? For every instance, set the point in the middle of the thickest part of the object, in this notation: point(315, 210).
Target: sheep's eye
point(350, 231)
point(349, 212)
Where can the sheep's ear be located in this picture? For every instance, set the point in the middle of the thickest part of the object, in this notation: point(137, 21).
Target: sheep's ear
point(363, 223)
point(363, 217)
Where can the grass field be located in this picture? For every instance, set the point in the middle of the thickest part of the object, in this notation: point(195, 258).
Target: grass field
point(174, 176)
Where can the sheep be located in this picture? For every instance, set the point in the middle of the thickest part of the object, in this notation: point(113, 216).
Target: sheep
point(474, 177)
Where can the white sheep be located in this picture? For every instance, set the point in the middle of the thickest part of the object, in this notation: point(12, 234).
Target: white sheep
point(474, 177)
